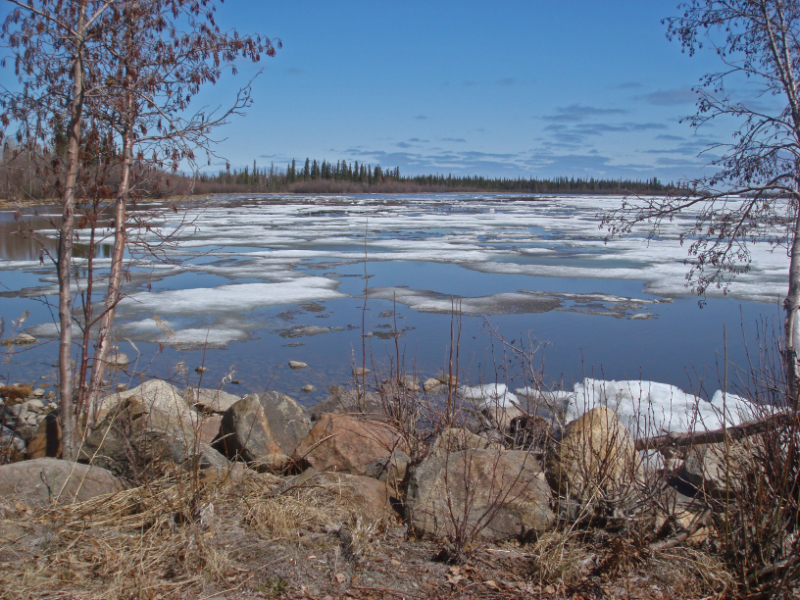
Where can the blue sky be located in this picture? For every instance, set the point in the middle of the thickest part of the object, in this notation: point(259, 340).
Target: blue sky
point(504, 88)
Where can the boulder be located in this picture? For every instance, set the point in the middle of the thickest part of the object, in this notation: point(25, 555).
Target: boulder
point(210, 426)
point(454, 440)
point(41, 481)
point(263, 429)
point(390, 468)
point(498, 494)
point(156, 394)
point(709, 468)
point(209, 401)
point(596, 454)
point(46, 442)
point(137, 441)
point(348, 402)
point(346, 444)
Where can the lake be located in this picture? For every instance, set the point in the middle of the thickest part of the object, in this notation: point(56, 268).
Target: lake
point(247, 283)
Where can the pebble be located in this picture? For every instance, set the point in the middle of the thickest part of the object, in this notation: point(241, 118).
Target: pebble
point(308, 388)
point(201, 369)
point(38, 392)
point(361, 371)
point(296, 364)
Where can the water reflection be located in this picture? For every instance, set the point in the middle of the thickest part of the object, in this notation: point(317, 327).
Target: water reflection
point(24, 239)
point(32, 237)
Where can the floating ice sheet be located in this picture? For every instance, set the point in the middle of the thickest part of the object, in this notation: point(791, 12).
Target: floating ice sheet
point(231, 298)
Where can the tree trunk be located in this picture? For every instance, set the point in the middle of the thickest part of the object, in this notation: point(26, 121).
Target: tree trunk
point(792, 305)
point(69, 432)
point(115, 275)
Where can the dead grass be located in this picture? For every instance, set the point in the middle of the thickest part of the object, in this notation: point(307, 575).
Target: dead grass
point(170, 537)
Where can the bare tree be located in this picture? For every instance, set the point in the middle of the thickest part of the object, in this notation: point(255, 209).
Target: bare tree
point(754, 192)
point(51, 42)
point(131, 69)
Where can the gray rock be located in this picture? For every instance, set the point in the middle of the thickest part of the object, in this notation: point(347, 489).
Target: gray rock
point(410, 383)
point(260, 427)
point(156, 394)
point(712, 469)
point(138, 442)
point(308, 388)
point(390, 468)
point(296, 364)
point(431, 384)
point(117, 361)
point(36, 406)
point(8, 439)
point(209, 401)
point(348, 402)
point(501, 493)
point(42, 481)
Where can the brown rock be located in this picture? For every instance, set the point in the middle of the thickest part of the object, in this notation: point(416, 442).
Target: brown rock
point(596, 454)
point(496, 494)
point(46, 442)
point(209, 428)
point(15, 394)
point(38, 482)
point(346, 444)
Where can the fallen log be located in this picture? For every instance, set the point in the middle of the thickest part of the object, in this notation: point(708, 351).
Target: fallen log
point(735, 432)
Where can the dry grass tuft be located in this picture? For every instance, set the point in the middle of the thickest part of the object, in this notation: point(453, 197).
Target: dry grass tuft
point(309, 509)
point(561, 558)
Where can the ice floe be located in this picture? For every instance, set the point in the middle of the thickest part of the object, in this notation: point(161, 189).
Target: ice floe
point(239, 297)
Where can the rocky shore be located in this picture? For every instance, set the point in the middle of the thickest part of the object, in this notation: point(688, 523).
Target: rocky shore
point(476, 491)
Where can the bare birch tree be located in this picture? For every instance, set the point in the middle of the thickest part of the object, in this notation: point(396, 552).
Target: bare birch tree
point(126, 70)
point(753, 194)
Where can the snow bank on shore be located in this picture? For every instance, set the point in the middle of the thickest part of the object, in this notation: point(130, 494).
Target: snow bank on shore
point(646, 408)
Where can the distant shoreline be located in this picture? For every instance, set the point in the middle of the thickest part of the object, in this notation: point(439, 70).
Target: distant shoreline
point(8, 204)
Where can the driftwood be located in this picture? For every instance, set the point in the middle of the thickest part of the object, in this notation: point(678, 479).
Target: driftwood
point(719, 435)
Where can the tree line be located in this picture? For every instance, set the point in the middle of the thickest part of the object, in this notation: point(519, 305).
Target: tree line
point(341, 176)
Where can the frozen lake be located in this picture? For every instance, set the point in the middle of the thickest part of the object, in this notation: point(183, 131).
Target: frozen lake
point(253, 282)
